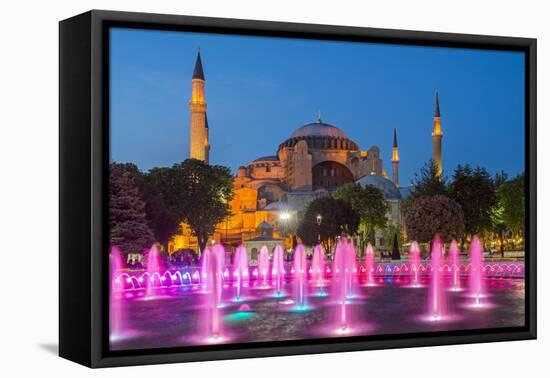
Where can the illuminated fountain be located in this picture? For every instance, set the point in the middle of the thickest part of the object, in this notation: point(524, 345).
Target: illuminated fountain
point(278, 269)
point(154, 269)
point(263, 265)
point(344, 264)
point(240, 270)
point(205, 269)
point(369, 265)
point(414, 262)
point(117, 313)
point(454, 265)
point(436, 295)
point(214, 278)
point(318, 268)
point(299, 265)
point(219, 251)
point(476, 272)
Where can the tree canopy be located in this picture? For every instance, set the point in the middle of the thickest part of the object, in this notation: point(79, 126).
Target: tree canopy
point(369, 203)
point(511, 198)
point(427, 182)
point(337, 218)
point(428, 215)
point(474, 191)
point(128, 226)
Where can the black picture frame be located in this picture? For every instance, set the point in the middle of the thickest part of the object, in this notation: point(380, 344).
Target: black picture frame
point(84, 157)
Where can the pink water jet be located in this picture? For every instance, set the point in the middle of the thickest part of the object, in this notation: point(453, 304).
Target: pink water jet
point(214, 278)
point(318, 267)
point(153, 268)
point(436, 303)
point(369, 265)
point(240, 269)
point(414, 263)
point(205, 269)
point(116, 309)
point(278, 269)
point(454, 265)
point(300, 275)
point(263, 265)
point(219, 251)
point(477, 290)
point(344, 265)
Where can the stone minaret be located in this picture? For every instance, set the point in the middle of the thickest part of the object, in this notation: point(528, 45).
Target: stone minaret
point(395, 159)
point(437, 136)
point(199, 145)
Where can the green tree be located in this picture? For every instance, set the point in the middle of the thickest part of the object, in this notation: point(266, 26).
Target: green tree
point(474, 190)
point(428, 215)
point(511, 195)
point(369, 203)
point(128, 227)
point(197, 194)
point(497, 211)
point(427, 182)
point(337, 217)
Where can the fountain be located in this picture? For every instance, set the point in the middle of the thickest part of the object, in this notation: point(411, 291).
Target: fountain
point(436, 295)
point(278, 269)
point(476, 271)
point(213, 277)
point(369, 265)
point(205, 269)
point(263, 265)
point(414, 262)
point(116, 309)
point(454, 265)
point(153, 268)
point(219, 251)
point(240, 269)
point(300, 275)
point(318, 268)
point(344, 264)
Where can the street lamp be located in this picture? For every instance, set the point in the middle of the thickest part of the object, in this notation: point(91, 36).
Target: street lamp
point(319, 221)
point(285, 218)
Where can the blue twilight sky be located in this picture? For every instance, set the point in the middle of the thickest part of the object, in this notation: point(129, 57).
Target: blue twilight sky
point(260, 89)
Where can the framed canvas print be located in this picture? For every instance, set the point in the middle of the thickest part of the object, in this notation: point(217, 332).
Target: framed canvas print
point(234, 188)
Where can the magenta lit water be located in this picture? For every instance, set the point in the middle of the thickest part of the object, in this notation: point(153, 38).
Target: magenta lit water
point(263, 265)
point(240, 270)
point(219, 251)
point(436, 301)
point(318, 267)
point(414, 262)
point(344, 265)
point(213, 278)
point(154, 269)
point(476, 271)
point(454, 265)
point(369, 265)
point(278, 269)
point(205, 268)
point(299, 264)
point(116, 313)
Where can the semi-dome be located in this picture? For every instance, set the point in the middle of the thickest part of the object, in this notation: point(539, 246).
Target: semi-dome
point(386, 186)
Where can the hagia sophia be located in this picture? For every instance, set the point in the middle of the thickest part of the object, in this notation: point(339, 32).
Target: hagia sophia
point(272, 191)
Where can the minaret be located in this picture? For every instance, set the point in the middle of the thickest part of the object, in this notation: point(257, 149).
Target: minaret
point(395, 159)
point(437, 136)
point(199, 145)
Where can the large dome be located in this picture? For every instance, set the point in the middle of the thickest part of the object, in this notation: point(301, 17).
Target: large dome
point(320, 135)
point(382, 183)
point(318, 129)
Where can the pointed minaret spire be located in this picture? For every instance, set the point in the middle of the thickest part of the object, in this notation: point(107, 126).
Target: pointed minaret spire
point(319, 120)
point(437, 136)
point(436, 110)
point(198, 73)
point(395, 159)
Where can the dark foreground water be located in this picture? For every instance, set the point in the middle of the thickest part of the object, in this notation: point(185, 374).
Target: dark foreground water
point(179, 317)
